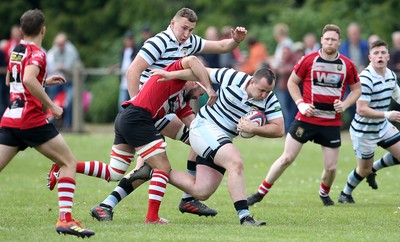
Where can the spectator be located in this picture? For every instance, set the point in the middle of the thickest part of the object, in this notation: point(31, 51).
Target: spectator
point(283, 71)
point(310, 43)
point(211, 60)
point(15, 38)
point(128, 53)
point(281, 35)
point(258, 55)
point(394, 61)
point(61, 59)
point(355, 48)
point(146, 34)
point(372, 38)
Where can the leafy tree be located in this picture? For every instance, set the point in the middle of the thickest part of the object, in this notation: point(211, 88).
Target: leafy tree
point(96, 27)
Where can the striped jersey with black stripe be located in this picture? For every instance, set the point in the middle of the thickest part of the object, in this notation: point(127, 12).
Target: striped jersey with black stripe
point(162, 49)
point(233, 101)
point(378, 91)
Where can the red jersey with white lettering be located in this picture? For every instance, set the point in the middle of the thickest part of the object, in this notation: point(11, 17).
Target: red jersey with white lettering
point(24, 110)
point(323, 82)
point(162, 98)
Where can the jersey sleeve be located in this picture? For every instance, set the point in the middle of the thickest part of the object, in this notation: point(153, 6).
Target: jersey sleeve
point(215, 75)
point(366, 87)
point(175, 66)
point(152, 49)
point(300, 68)
point(38, 58)
point(273, 108)
point(198, 44)
point(184, 112)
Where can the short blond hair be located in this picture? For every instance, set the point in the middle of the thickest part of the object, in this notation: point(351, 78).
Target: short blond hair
point(187, 13)
point(331, 27)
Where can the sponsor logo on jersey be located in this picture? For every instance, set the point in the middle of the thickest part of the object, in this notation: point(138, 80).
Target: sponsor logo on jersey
point(16, 57)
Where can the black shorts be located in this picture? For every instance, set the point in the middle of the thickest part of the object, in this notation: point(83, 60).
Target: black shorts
point(134, 126)
point(327, 136)
point(209, 163)
point(23, 138)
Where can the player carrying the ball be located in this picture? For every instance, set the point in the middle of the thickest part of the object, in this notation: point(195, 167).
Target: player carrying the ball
point(214, 127)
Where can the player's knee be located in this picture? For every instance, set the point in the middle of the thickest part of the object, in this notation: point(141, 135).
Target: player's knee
point(119, 163)
point(235, 166)
point(331, 171)
point(331, 168)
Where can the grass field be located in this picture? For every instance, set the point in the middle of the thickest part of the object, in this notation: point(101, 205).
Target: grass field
point(292, 210)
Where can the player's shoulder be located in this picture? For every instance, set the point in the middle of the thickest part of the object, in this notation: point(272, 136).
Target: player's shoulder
point(309, 57)
point(160, 39)
point(35, 52)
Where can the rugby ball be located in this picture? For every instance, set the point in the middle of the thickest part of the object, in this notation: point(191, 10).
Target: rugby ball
point(257, 118)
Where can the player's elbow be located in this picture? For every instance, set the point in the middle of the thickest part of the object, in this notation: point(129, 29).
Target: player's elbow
point(280, 131)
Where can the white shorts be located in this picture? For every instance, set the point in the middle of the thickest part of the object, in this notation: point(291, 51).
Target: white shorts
point(365, 147)
point(163, 122)
point(206, 138)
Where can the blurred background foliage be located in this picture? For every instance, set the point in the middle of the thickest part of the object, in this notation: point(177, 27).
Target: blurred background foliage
point(96, 27)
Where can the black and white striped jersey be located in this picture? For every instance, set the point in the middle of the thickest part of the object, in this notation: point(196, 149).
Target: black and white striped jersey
point(378, 91)
point(163, 49)
point(233, 101)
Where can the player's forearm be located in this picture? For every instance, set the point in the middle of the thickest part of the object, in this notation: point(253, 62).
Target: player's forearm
point(37, 90)
point(274, 129)
point(353, 96)
point(200, 72)
point(8, 78)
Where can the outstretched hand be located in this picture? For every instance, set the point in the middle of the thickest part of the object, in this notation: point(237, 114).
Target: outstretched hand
point(238, 34)
point(55, 80)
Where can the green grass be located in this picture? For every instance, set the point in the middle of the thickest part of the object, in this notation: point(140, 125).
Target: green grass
point(293, 210)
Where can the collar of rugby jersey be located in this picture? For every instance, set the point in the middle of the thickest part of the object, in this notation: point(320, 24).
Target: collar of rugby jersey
point(376, 76)
point(173, 38)
point(245, 97)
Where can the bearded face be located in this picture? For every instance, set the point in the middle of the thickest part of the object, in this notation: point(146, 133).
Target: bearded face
point(187, 96)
